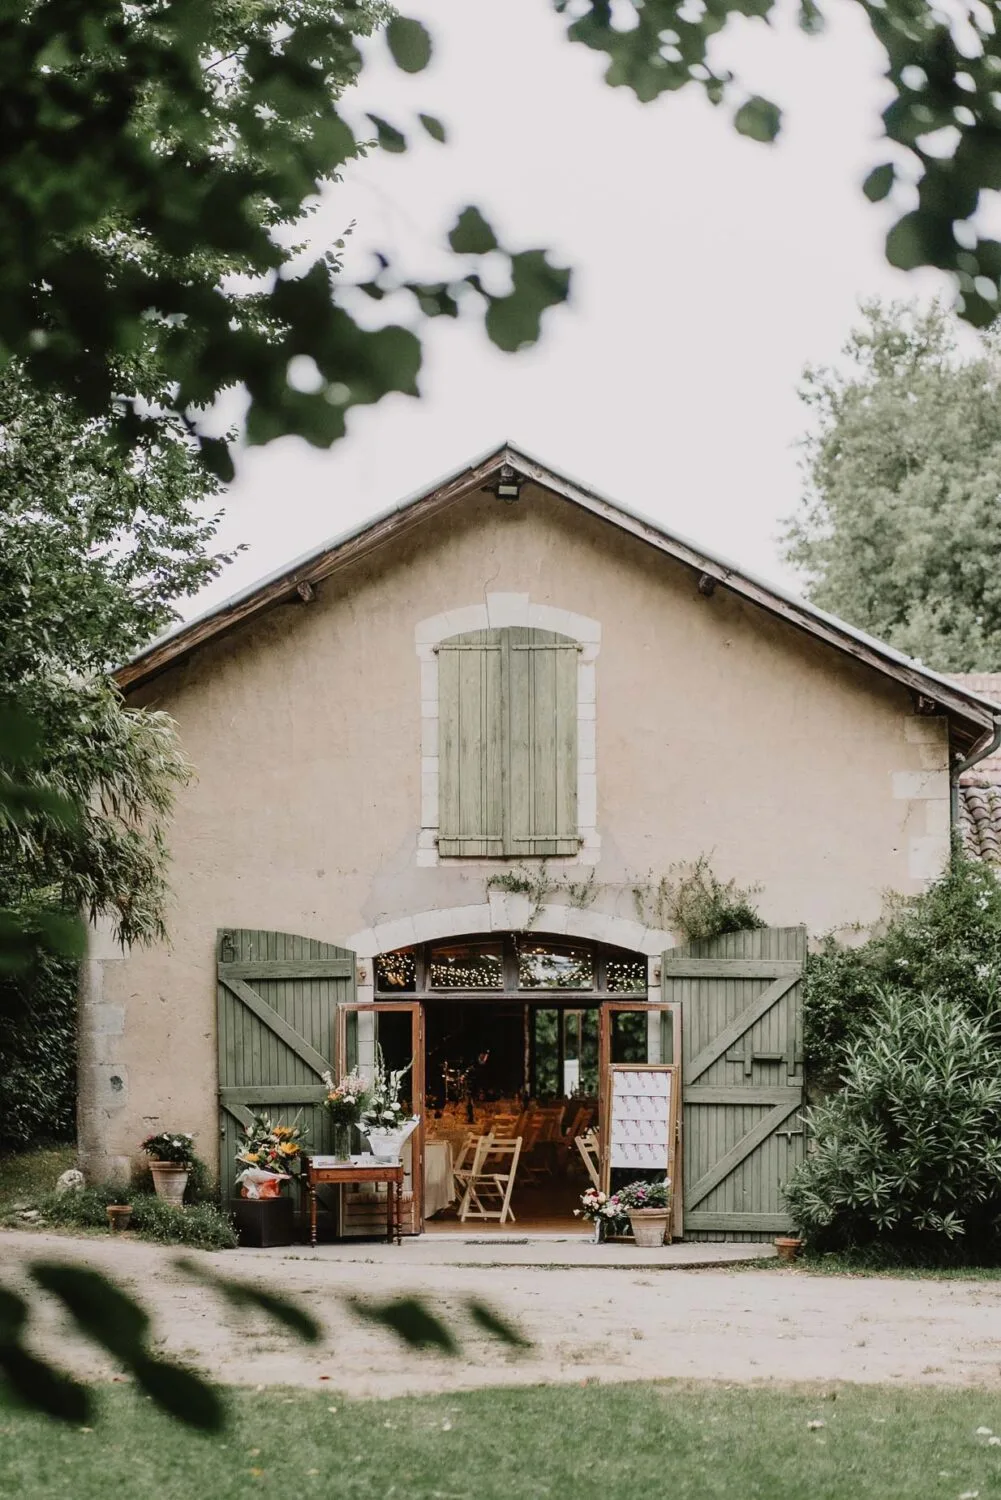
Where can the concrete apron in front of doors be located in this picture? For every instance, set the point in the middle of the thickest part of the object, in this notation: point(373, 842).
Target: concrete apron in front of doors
point(552, 1252)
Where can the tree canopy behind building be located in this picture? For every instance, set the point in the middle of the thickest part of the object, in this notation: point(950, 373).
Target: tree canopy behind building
point(899, 528)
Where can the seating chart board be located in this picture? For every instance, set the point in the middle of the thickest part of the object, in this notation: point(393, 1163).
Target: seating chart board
point(643, 1117)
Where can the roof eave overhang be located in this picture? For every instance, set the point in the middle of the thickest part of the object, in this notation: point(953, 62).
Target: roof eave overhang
point(975, 715)
point(305, 574)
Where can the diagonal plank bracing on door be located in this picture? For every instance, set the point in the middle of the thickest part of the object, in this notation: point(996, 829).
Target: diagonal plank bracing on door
point(274, 1022)
point(741, 1024)
point(740, 999)
point(277, 999)
point(737, 1153)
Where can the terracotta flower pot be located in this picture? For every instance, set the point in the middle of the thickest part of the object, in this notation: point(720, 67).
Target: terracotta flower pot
point(788, 1248)
point(649, 1225)
point(170, 1178)
point(119, 1215)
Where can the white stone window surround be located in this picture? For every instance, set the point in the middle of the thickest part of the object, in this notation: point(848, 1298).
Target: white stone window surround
point(497, 612)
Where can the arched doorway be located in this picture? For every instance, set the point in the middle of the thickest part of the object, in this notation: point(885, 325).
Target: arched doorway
point(510, 1029)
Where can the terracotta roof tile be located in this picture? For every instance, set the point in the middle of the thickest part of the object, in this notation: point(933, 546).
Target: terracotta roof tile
point(980, 789)
point(980, 821)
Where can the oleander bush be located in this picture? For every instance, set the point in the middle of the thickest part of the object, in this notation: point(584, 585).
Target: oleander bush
point(945, 942)
point(907, 1154)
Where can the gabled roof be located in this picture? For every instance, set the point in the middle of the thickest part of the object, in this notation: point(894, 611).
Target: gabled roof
point(974, 712)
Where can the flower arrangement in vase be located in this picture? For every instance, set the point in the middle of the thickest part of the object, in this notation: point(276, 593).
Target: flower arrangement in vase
point(344, 1104)
point(170, 1153)
point(270, 1155)
point(385, 1121)
point(604, 1212)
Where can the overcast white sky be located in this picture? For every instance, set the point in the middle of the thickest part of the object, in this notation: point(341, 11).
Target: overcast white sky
point(707, 271)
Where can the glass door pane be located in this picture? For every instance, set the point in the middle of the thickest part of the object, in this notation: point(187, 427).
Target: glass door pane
point(644, 1035)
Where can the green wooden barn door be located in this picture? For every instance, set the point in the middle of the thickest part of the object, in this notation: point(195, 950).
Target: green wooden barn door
point(742, 1078)
point(277, 1011)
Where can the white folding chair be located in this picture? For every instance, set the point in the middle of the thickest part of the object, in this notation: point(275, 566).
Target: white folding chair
point(489, 1179)
point(587, 1145)
point(465, 1162)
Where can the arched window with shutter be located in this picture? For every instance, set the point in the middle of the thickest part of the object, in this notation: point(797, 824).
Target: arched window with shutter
point(507, 753)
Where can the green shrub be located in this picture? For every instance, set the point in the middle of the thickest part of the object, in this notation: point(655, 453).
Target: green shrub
point(692, 900)
point(199, 1224)
point(908, 1153)
point(38, 1023)
point(945, 942)
point(838, 997)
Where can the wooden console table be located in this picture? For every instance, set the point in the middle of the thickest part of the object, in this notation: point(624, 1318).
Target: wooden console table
point(346, 1174)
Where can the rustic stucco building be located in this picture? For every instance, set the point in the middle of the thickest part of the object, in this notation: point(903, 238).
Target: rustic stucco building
point(503, 670)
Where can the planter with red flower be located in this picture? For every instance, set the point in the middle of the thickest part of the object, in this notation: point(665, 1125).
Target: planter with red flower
point(170, 1153)
point(270, 1156)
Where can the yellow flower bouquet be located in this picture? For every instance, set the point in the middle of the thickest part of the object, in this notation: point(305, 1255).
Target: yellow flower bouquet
point(270, 1155)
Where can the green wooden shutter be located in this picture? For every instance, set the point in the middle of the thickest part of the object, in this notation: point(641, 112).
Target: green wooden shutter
point(540, 686)
point(470, 793)
point(277, 1005)
point(507, 744)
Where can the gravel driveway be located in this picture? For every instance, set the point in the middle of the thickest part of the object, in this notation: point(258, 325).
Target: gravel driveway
point(585, 1323)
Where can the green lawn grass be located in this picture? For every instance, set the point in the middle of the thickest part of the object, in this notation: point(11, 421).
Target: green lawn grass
point(596, 1442)
point(869, 1266)
point(25, 1175)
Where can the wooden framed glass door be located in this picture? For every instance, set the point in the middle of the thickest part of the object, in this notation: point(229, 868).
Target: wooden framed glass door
point(643, 1034)
point(398, 1028)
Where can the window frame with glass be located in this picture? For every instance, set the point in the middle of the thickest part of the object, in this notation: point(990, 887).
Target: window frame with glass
point(600, 961)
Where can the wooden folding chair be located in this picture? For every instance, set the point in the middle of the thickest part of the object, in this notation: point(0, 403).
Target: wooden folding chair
point(528, 1128)
point(587, 1145)
point(464, 1161)
point(489, 1180)
point(565, 1144)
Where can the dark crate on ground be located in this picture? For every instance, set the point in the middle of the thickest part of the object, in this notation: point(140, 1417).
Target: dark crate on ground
point(263, 1222)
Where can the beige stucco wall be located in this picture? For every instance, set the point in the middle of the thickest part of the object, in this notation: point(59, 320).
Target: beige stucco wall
point(717, 729)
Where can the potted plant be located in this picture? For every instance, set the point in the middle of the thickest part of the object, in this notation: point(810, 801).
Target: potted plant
point(385, 1122)
point(604, 1212)
point(119, 1215)
point(344, 1104)
point(270, 1156)
point(170, 1155)
point(648, 1205)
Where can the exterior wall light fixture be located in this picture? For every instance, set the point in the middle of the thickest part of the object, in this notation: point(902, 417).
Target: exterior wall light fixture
point(508, 486)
